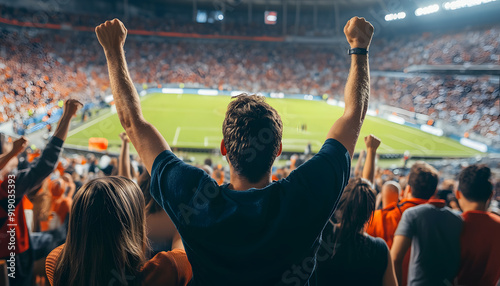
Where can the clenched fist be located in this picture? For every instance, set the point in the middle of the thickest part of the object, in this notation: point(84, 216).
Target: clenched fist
point(372, 142)
point(19, 145)
point(111, 35)
point(124, 137)
point(71, 106)
point(358, 32)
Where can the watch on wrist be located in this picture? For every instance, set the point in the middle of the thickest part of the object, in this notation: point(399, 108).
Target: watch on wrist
point(357, 51)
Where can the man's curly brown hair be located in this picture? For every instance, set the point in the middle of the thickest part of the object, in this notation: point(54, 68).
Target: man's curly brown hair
point(252, 133)
point(423, 180)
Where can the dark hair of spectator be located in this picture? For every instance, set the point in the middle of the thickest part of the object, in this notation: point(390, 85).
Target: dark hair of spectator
point(355, 208)
point(475, 184)
point(252, 133)
point(423, 180)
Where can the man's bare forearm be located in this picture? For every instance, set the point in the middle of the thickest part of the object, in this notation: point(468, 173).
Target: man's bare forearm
point(369, 168)
point(398, 270)
point(63, 127)
point(124, 161)
point(71, 106)
point(357, 89)
point(357, 92)
point(125, 95)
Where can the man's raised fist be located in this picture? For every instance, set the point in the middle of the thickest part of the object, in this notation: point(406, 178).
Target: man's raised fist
point(19, 145)
point(124, 137)
point(71, 106)
point(111, 35)
point(358, 32)
point(372, 142)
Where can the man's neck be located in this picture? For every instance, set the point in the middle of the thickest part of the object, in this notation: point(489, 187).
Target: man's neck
point(239, 183)
point(467, 206)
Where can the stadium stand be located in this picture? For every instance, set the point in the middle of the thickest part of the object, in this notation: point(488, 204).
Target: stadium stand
point(268, 68)
point(91, 216)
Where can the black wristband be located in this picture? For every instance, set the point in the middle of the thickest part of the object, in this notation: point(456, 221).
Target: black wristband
point(357, 51)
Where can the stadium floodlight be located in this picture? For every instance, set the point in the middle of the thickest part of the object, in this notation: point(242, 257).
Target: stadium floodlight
point(427, 10)
point(217, 16)
point(458, 4)
point(395, 16)
point(201, 16)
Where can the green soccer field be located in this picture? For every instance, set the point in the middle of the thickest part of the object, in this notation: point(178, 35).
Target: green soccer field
point(195, 121)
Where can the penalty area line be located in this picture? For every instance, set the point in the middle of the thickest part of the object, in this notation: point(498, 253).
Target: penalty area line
point(176, 136)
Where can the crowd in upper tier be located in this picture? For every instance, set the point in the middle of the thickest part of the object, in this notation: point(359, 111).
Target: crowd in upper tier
point(157, 220)
point(38, 68)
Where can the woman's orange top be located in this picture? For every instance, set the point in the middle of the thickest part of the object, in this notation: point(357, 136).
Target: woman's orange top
point(166, 268)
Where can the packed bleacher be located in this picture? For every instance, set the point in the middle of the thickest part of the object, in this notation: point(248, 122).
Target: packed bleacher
point(58, 65)
point(153, 219)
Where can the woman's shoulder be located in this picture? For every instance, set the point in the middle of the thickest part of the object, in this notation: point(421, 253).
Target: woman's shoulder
point(167, 268)
point(51, 261)
point(377, 241)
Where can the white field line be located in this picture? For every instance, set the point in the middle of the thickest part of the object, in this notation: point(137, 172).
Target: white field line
point(176, 136)
point(386, 147)
point(401, 127)
point(88, 124)
point(406, 142)
point(205, 141)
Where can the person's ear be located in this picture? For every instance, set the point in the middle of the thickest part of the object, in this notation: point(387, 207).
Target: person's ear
point(489, 200)
point(223, 150)
point(281, 149)
point(407, 192)
point(458, 194)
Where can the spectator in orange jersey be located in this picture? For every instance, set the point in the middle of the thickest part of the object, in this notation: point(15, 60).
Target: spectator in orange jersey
point(422, 183)
point(60, 202)
point(390, 193)
point(480, 250)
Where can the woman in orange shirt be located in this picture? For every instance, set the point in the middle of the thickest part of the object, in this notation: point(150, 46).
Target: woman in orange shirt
point(107, 241)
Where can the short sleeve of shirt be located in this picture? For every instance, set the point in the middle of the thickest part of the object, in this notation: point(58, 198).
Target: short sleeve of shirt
point(174, 185)
point(321, 180)
point(406, 226)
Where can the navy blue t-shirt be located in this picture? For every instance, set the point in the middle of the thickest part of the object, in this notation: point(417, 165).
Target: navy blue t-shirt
point(266, 236)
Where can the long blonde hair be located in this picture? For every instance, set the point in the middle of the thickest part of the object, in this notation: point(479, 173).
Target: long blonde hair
point(106, 242)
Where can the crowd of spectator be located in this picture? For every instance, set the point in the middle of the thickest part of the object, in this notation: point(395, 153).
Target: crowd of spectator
point(156, 220)
point(40, 67)
point(54, 192)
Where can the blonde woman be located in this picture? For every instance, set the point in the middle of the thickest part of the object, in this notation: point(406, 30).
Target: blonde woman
point(107, 243)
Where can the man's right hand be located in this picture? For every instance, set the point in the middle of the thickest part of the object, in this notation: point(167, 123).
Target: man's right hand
point(124, 137)
point(71, 106)
point(372, 142)
point(111, 35)
point(358, 32)
point(19, 145)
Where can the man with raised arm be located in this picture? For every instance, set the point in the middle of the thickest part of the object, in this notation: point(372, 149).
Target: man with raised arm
point(14, 236)
point(251, 231)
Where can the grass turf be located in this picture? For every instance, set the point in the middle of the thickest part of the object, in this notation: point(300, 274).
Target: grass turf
point(196, 121)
